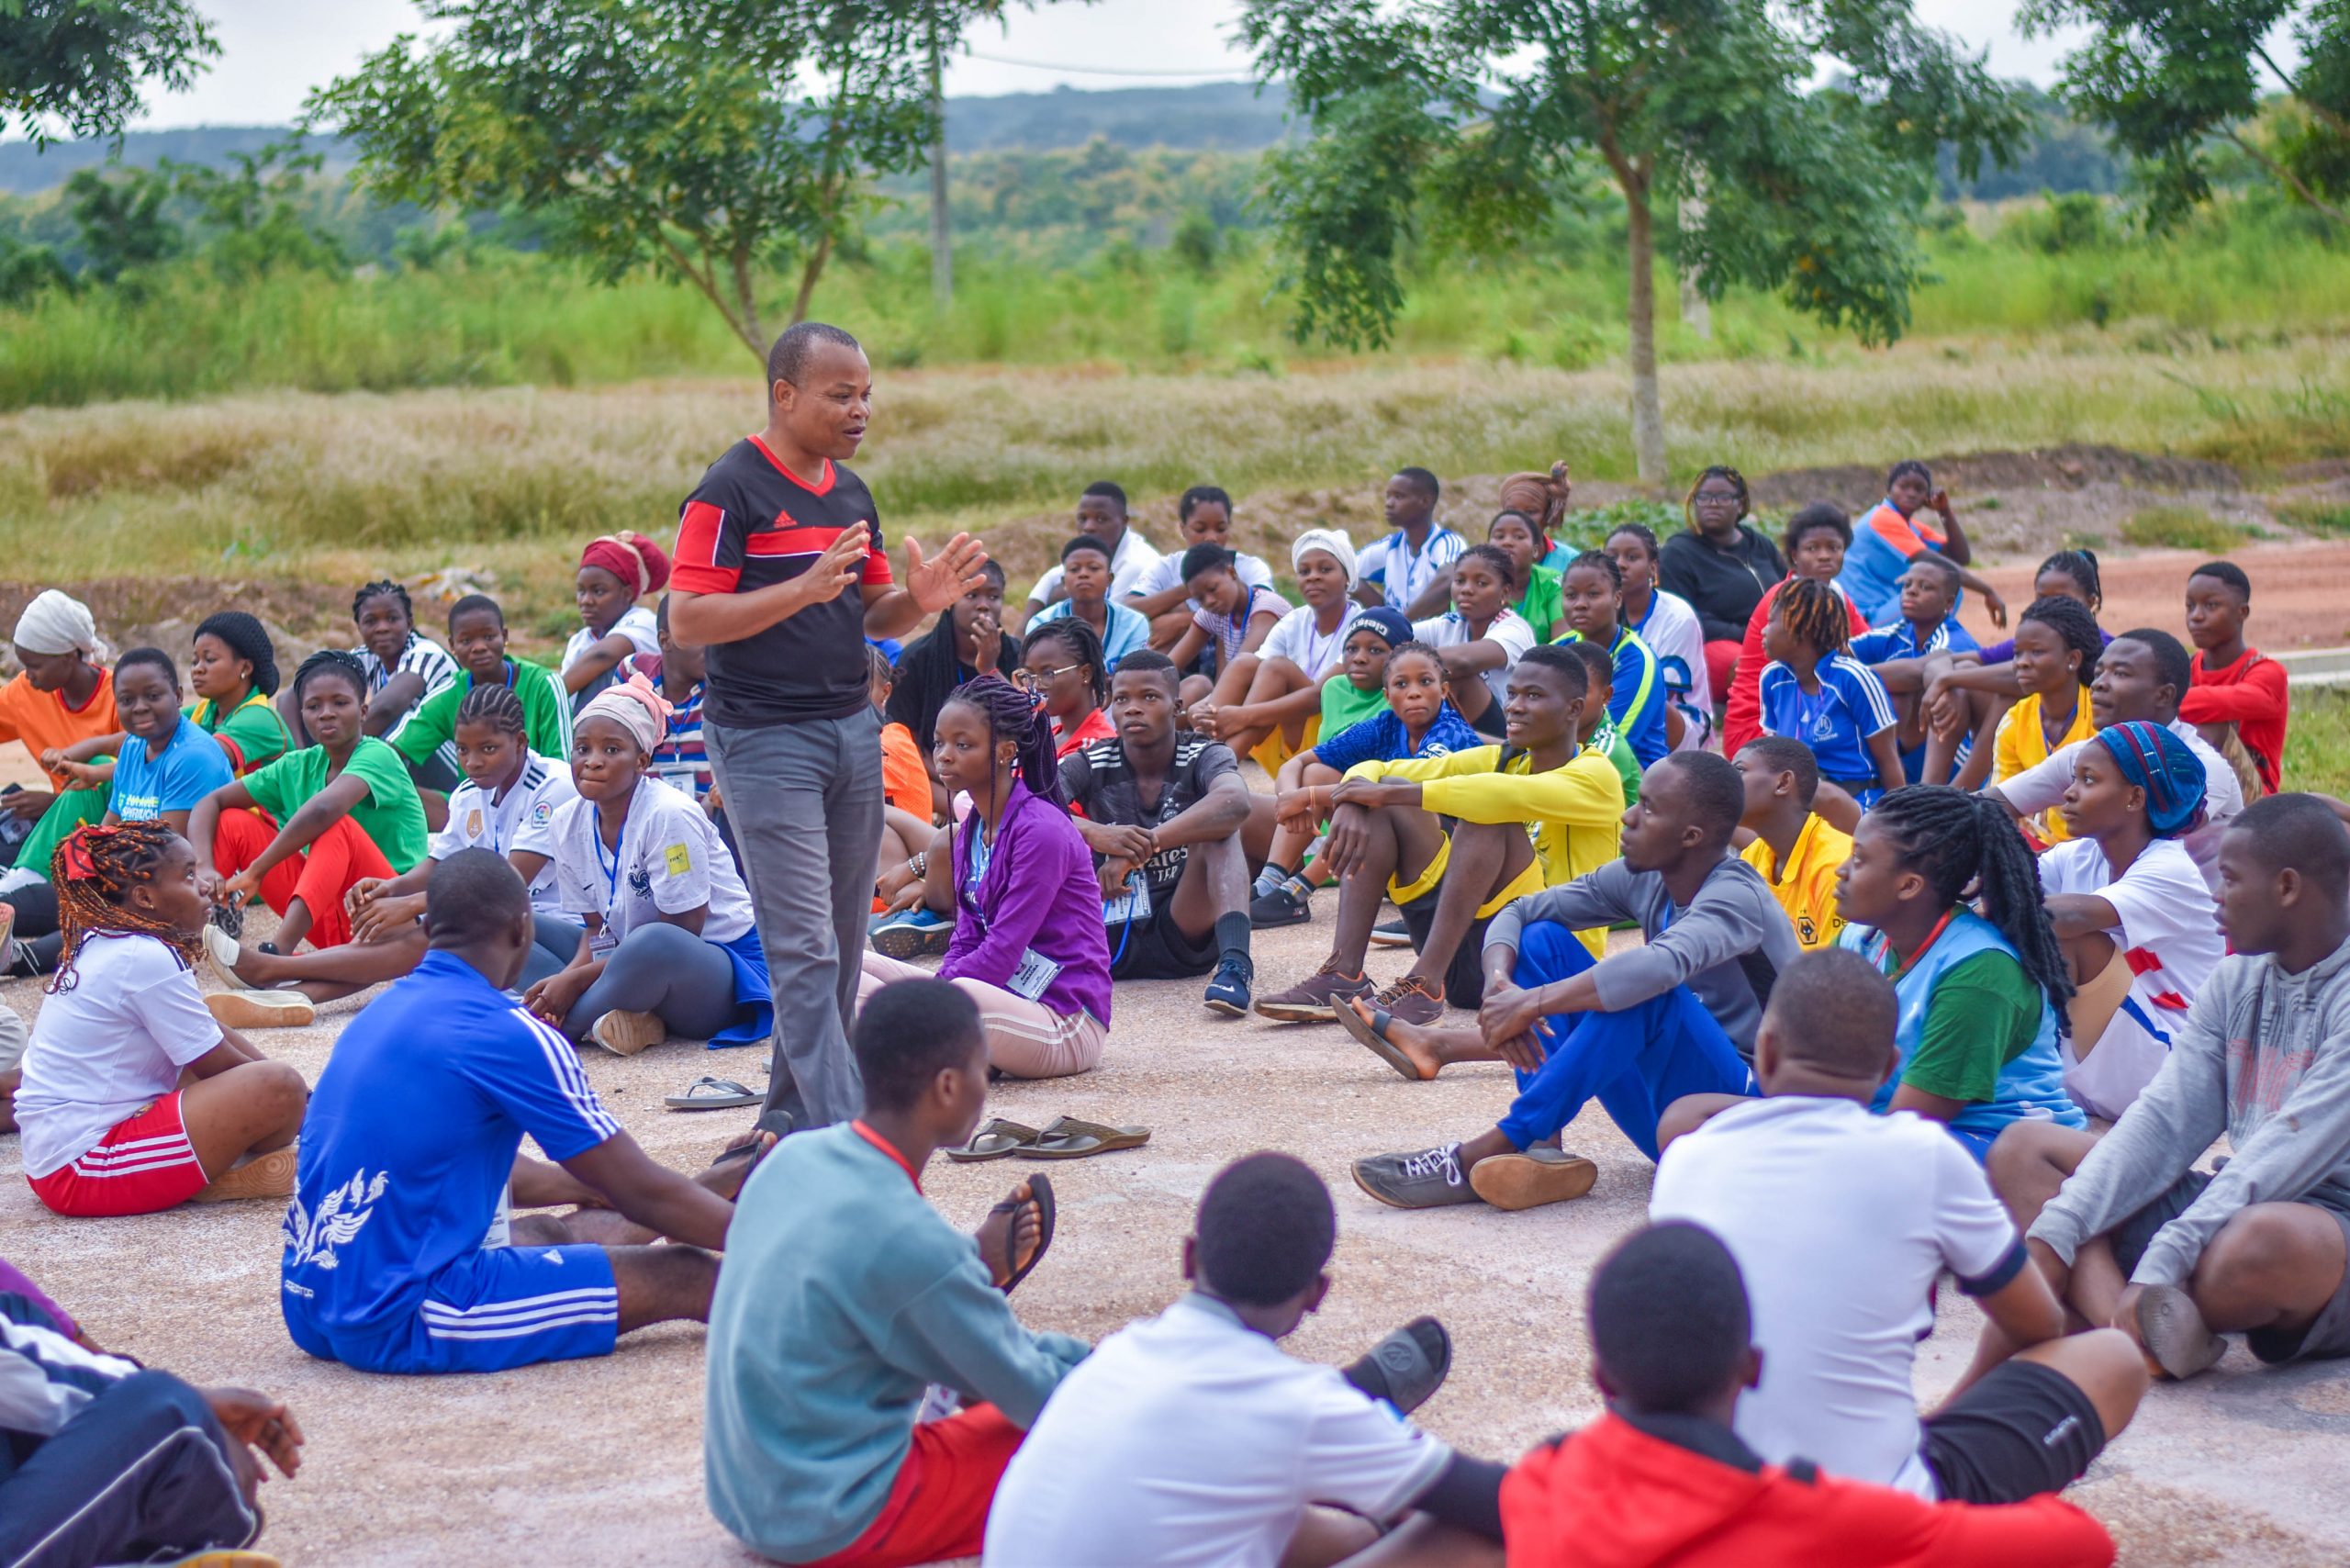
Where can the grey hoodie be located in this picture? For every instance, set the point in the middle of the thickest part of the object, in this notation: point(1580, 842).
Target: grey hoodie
point(1729, 946)
point(2264, 1057)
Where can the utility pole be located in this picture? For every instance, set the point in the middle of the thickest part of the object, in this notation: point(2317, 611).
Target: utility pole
point(942, 240)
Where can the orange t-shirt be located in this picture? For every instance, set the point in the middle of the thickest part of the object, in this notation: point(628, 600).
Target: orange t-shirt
point(905, 784)
point(42, 720)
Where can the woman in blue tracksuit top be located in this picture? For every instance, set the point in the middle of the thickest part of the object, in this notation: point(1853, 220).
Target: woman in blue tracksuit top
point(1979, 993)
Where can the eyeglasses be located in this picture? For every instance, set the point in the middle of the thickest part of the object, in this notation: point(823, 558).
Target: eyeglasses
point(1704, 498)
point(1029, 678)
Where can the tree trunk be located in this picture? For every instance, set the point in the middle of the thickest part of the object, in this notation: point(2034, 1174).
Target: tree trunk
point(809, 273)
point(942, 239)
point(1648, 415)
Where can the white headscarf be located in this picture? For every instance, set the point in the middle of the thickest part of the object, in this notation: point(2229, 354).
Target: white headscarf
point(1329, 541)
point(636, 706)
point(57, 622)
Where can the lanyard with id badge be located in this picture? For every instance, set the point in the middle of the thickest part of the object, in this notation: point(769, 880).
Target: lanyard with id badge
point(602, 944)
point(1035, 974)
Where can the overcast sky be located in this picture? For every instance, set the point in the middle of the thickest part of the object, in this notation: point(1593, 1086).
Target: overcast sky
point(273, 52)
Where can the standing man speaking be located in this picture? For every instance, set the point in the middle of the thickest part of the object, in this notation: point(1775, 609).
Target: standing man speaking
point(780, 574)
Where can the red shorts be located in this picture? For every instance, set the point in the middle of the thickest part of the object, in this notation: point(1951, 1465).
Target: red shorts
point(143, 1165)
point(937, 1507)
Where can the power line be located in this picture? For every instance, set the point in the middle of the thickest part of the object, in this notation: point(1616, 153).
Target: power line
point(1095, 70)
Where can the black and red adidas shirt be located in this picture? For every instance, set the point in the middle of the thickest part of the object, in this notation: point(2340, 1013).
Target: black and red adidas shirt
point(749, 524)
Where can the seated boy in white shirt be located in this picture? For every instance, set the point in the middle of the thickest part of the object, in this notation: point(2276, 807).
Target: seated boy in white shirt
point(1191, 1439)
point(1841, 1222)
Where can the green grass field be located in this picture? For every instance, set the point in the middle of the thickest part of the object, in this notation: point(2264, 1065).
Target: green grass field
point(2317, 747)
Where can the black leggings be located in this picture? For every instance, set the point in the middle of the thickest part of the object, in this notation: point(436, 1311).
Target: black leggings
point(665, 969)
point(36, 907)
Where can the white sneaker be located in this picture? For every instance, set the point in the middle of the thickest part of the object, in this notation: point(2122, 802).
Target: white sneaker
point(222, 952)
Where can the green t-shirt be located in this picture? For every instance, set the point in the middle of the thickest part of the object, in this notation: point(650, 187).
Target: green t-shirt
point(1983, 1014)
point(1619, 753)
point(546, 714)
point(1543, 603)
point(1345, 703)
point(253, 736)
point(391, 813)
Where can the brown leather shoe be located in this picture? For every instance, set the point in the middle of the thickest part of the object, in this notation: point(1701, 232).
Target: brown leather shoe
point(1413, 1001)
point(1314, 1000)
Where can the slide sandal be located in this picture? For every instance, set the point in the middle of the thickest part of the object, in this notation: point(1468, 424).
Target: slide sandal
point(1071, 1138)
point(1040, 1191)
point(1371, 1030)
point(1407, 1366)
point(708, 1093)
point(994, 1139)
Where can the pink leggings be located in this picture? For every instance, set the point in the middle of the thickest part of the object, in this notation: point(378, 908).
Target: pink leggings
point(1025, 1038)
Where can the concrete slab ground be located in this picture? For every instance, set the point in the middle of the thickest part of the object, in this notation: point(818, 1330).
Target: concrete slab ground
point(599, 1462)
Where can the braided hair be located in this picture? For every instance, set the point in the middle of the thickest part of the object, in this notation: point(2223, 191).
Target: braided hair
point(1600, 561)
point(2081, 566)
point(1958, 840)
point(385, 588)
point(93, 872)
point(1011, 716)
point(2070, 620)
point(1084, 646)
point(1719, 471)
point(1813, 613)
point(1640, 531)
point(332, 661)
point(496, 705)
point(1497, 557)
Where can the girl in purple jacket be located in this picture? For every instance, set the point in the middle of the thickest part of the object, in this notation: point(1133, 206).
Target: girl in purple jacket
point(1029, 944)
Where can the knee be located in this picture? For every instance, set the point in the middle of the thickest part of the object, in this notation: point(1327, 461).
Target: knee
point(1684, 1115)
point(153, 1402)
point(662, 940)
point(2019, 1157)
point(281, 1087)
point(1548, 951)
point(2255, 1248)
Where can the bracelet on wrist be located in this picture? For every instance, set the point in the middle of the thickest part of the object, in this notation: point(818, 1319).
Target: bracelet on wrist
point(919, 863)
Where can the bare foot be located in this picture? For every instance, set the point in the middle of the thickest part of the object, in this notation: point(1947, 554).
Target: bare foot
point(1405, 1045)
point(731, 1168)
point(1008, 1239)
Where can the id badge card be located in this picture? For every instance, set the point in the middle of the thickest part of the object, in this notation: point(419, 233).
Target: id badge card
point(501, 1224)
point(601, 945)
point(1132, 905)
point(1035, 973)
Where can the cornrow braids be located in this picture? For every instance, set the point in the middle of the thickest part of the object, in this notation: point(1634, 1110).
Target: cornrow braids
point(1084, 646)
point(1497, 557)
point(1960, 842)
point(1719, 471)
point(2071, 619)
point(379, 591)
point(496, 705)
point(1413, 645)
point(1814, 612)
point(1640, 531)
point(332, 661)
point(1012, 716)
point(92, 873)
point(1599, 561)
point(2081, 566)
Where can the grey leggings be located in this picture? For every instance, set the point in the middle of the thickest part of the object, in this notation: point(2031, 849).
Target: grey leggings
point(665, 969)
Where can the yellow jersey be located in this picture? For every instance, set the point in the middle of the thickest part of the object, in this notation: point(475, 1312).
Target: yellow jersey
point(1806, 885)
point(2022, 744)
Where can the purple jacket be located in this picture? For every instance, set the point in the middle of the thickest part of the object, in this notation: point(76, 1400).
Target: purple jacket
point(1039, 891)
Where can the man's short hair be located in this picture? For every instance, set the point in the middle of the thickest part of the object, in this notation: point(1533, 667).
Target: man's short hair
point(2226, 572)
point(1150, 661)
point(1716, 793)
point(472, 896)
point(1115, 495)
point(1203, 557)
point(2300, 831)
point(2174, 666)
point(909, 1033)
point(1265, 1231)
point(482, 601)
point(1833, 1010)
point(1944, 568)
point(1785, 754)
point(1422, 481)
point(1560, 657)
point(788, 360)
point(1598, 664)
point(1669, 1318)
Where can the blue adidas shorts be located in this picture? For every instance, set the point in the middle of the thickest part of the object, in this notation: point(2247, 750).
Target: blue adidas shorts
point(500, 1308)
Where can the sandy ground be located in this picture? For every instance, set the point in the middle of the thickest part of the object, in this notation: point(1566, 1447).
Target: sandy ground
point(599, 1462)
point(2300, 592)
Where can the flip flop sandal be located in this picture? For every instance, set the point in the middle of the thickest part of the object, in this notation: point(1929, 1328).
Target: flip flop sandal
point(1412, 1362)
point(708, 1093)
point(1071, 1138)
point(754, 1150)
point(1040, 1193)
point(1372, 1034)
point(997, 1138)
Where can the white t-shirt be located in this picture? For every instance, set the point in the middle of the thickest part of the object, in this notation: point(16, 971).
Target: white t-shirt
point(2042, 786)
point(1840, 1222)
point(1130, 564)
point(1168, 572)
point(1675, 634)
point(1400, 574)
point(431, 663)
point(108, 1048)
point(2170, 936)
point(636, 624)
point(1509, 629)
point(525, 819)
point(1297, 639)
point(1191, 1440)
point(670, 860)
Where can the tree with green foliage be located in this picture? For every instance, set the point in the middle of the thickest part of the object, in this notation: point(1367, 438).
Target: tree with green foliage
point(82, 62)
point(1453, 119)
point(2173, 81)
point(122, 221)
point(715, 141)
point(253, 210)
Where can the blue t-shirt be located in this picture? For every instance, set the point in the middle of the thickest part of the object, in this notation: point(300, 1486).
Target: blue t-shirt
point(192, 766)
point(1899, 640)
point(1836, 721)
point(1126, 629)
point(1638, 702)
point(410, 1138)
point(1380, 738)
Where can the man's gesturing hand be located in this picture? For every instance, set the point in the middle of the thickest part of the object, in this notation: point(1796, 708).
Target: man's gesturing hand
point(940, 581)
point(842, 563)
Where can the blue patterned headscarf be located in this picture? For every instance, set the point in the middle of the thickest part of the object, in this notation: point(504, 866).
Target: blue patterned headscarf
point(2158, 762)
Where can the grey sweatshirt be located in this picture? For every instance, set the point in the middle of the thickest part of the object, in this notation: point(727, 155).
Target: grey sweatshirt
point(2262, 1057)
point(1729, 946)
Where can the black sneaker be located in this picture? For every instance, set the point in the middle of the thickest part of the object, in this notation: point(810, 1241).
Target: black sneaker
point(1393, 934)
point(1280, 907)
point(1227, 990)
point(1431, 1179)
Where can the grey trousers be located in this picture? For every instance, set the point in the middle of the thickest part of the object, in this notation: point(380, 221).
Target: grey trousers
point(805, 803)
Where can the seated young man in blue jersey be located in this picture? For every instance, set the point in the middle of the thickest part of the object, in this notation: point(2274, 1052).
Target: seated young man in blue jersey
point(399, 1254)
point(1635, 1030)
point(1929, 624)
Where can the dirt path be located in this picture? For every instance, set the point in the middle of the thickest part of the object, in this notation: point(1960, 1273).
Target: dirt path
point(2300, 592)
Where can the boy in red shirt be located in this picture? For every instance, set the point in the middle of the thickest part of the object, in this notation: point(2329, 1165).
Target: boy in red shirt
point(2234, 682)
point(1660, 1481)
